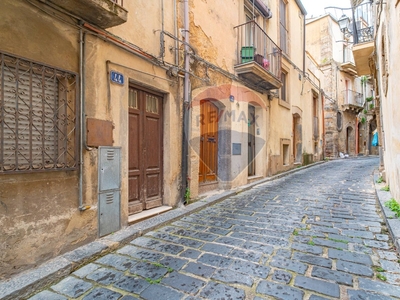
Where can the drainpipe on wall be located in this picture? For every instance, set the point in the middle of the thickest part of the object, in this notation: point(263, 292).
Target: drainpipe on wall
point(162, 41)
point(186, 104)
point(304, 54)
point(176, 34)
point(357, 136)
point(82, 133)
point(304, 13)
point(162, 15)
point(304, 46)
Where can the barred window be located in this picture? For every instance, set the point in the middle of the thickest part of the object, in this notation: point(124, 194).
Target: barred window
point(37, 117)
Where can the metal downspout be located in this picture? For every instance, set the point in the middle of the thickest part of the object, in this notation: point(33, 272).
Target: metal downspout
point(304, 54)
point(176, 34)
point(186, 104)
point(304, 45)
point(162, 15)
point(82, 117)
point(357, 137)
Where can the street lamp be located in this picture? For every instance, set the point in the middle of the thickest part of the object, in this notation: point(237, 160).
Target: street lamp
point(344, 22)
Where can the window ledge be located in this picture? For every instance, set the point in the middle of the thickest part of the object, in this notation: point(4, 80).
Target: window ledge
point(284, 103)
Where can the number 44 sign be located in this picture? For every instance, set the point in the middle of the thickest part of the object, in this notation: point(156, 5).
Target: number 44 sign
point(117, 77)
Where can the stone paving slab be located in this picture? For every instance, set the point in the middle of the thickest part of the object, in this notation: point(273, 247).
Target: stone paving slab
point(315, 234)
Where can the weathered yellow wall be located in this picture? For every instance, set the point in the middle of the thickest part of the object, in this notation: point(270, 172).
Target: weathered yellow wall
point(312, 87)
point(318, 40)
point(53, 41)
point(144, 25)
point(38, 213)
point(212, 33)
point(39, 216)
point(299, 98)
point(115, 108)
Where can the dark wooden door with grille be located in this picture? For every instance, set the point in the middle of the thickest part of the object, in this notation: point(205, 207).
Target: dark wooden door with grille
point(208, 142)
point(145, 150)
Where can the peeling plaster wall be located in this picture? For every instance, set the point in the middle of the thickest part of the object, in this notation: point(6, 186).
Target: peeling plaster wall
point(38, 213)
point(144, 26)
point(39, 216)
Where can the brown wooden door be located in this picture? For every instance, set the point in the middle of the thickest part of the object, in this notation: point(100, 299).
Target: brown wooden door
point(208, 142)
point(145, 150)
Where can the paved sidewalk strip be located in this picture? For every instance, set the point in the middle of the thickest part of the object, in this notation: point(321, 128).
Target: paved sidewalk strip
point(314, 234)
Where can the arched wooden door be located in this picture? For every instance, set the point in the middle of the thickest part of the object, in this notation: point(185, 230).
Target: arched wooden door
point(208, 142)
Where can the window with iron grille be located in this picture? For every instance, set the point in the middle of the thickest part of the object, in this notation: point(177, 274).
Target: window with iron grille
point(37, 117)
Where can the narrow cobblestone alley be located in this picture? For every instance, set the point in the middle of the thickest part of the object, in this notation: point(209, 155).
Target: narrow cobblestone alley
point(315, 234)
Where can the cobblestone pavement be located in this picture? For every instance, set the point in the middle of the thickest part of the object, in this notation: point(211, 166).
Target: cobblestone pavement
point(315, 234)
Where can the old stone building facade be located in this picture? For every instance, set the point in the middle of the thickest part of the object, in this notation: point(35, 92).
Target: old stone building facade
point(249, 75)
point(346, 90)
point(91, 122)
point(112, 118)
point(384, 63)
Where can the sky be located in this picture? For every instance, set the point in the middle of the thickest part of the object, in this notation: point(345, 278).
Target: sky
point(316, 7)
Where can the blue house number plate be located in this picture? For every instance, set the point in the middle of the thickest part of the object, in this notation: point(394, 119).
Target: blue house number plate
point(117, 77)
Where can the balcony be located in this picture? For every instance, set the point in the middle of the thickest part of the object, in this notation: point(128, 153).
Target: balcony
point(363, 38)
point(348, 64)
point(353, 101)
point(102, 13)
point(259, 58)
point(363, 50)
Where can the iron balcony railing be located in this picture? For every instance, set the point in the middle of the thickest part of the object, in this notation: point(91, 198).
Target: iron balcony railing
point(365, 35)
point(363, 23)
point(353, 98)
point(253, 44)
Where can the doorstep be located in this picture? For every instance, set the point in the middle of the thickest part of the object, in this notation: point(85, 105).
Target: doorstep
point(251, 179)
point(148, 214)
